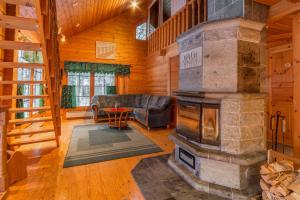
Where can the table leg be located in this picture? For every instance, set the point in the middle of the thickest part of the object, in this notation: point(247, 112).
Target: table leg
point(120, 121)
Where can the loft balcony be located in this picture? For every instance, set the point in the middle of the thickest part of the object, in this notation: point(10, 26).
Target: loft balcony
point(165, 26)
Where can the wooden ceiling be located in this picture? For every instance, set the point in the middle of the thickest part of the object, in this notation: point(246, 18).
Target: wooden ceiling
point(75, 16)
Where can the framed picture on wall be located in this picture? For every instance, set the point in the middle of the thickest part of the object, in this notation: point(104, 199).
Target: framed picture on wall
point(105, 50)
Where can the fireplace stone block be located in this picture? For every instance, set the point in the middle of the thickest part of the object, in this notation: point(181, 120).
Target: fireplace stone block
point(226, 175)
point(243, 123)
point(233, 57)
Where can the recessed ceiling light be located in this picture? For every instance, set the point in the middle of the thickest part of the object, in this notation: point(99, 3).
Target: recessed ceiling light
point(134, 4)
point(77, 25)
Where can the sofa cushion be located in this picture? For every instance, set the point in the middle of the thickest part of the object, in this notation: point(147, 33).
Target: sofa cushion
point(140, 114)
point(158, 102)
point(142, 101)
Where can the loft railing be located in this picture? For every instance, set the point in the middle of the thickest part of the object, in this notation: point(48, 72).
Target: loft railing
point(194, 13)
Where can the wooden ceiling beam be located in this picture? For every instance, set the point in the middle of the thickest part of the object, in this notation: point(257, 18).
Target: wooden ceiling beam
point(282, 9)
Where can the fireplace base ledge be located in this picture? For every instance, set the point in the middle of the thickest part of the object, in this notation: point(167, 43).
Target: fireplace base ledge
point(210, 188)
point(242, 159)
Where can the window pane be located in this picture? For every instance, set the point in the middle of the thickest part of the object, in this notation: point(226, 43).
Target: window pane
point(141, 31)
point(82, 83)
point(103, 80)
point(23, 74)
point(83, 101)
point(38, 75)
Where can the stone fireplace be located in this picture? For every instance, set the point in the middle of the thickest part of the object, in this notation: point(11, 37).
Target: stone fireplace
point(220, 138)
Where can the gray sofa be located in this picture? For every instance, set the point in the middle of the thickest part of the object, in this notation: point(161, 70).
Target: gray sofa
point(150, 110)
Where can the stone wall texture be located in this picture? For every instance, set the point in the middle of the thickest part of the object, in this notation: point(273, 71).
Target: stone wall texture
point(234, 60)
point(226, 9)
point(243, 124)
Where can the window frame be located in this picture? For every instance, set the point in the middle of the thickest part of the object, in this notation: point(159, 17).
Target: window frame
point(92, 86)
point(136, 28)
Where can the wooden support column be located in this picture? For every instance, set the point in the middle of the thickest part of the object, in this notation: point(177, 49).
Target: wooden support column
point(3, 153)
point(296, 66)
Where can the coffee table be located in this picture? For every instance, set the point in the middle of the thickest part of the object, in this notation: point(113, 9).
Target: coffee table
point(118, 117)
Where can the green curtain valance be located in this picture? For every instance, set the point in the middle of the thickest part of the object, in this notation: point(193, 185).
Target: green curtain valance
point(103, 68)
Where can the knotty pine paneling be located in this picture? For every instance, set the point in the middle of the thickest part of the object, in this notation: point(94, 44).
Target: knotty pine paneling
point(2, 12)
point(158, 71)
point(281, 88)
point(89, 13)
point(120, 30)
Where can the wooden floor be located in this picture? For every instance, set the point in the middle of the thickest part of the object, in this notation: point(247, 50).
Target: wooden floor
point(109, 180)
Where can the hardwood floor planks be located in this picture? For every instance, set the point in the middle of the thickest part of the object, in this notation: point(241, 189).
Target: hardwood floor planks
point(111, 180)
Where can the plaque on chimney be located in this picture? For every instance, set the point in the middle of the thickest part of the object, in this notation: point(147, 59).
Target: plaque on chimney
point(191, 58)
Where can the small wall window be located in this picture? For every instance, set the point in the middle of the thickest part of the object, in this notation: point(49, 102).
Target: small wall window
point(141, 31)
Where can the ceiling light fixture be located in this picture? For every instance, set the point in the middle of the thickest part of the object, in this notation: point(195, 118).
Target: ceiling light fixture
point(134, 4)
point(77, 25)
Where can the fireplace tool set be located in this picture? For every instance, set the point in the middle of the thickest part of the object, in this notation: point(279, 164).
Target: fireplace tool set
point(275, 120)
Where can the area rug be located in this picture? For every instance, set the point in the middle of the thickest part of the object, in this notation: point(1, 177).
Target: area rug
point(157, 181)
point(97, 143)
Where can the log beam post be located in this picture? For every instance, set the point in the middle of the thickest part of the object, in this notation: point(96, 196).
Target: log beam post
point(3, 152)
point(296, 67)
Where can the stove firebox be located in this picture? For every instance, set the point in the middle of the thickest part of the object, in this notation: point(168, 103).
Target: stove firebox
point(199, 122)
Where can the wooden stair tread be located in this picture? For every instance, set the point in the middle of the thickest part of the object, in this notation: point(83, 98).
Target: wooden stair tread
point(4, 44)
point(19, 132)
point(30, 120)
point(18, 142)
point(30, 109)
point(22, 82)
point(22, 23)
point(7, 97)
point(20, 65)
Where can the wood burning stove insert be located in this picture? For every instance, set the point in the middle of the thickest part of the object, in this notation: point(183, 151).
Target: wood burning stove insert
point(199, 122)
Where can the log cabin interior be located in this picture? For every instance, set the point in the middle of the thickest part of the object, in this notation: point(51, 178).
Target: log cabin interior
point(150, 99)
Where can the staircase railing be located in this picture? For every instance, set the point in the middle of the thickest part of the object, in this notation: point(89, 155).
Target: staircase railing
point(52, 51)
point(194, 13)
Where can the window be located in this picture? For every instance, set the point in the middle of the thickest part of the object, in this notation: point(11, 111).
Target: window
point(141, 31)
point(82, 83)
point(153, 17)
point(38, 88)
point(25, 74)
point(166, 10)
point(103, 80)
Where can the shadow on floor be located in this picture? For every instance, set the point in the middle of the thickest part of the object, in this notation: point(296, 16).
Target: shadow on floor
point(157, 181)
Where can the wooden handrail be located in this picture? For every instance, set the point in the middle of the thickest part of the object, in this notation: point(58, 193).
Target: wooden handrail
point(192, 14)
point(3, 152)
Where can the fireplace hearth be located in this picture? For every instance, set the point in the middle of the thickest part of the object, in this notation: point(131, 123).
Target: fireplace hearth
point(220, 137)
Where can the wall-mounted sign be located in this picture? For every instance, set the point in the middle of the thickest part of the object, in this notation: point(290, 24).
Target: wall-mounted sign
point(105, 50)
point(192, 58)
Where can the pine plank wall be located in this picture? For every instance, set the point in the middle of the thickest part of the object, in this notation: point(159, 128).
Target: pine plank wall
point(121, 31)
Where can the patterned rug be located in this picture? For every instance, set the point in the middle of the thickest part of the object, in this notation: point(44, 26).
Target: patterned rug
point(97, 142)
